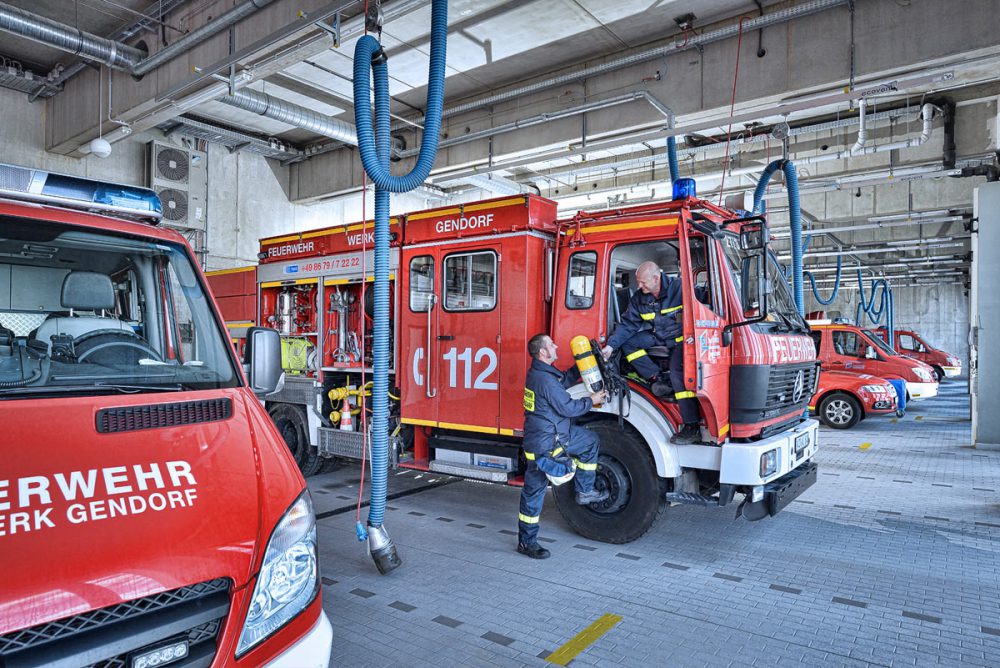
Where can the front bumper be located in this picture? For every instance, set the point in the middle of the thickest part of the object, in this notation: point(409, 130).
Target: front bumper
point(951, 371)
point(921, 390)
point(781, 492)
point(741, 461)
point(311, 651)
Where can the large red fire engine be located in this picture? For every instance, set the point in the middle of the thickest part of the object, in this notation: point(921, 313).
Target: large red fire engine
point(473, 283)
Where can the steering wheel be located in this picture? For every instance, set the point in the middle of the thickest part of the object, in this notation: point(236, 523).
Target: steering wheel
point(113, 339)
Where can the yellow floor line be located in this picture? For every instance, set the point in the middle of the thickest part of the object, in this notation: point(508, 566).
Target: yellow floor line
point(919, 417)
point(583, 640)
point(894, 420)
point(864, 446)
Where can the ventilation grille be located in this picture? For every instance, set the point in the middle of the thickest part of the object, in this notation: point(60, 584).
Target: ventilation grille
point(14, 178)
point(88, 622)
point(172, 164)
point(784, 384)
point(135, 418)
point(175, 204)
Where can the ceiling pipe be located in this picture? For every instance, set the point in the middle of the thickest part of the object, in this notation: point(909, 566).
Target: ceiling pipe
point(67, 38)
point(860, 143)
point(199, 35)
point(691, 42)
point(292, 114)
point(111, 52)
point(552, 116)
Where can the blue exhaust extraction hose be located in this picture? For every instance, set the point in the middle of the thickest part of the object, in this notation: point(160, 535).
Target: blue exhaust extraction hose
point(794, 220)
point(675, 170)
point(375, 147)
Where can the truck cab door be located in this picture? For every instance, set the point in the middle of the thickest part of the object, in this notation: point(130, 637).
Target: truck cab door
point(706, 362)
point(419, 307)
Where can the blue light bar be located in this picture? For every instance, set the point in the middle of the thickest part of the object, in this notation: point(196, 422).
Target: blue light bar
point(76, 192)
point(684, 188)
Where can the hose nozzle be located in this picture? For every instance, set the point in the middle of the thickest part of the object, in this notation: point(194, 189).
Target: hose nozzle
point(382, 549)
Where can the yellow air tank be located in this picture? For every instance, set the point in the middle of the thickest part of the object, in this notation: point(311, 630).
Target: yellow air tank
point(586, 363)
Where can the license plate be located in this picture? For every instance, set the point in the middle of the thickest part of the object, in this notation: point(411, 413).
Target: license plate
point(801, 443)
point(161, 656)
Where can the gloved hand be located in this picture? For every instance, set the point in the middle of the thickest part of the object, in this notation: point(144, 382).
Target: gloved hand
point(606, 352)
point(598, 398)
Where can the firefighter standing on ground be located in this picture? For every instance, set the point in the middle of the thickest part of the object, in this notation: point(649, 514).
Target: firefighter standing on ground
point(658, 304)
point(553, 445)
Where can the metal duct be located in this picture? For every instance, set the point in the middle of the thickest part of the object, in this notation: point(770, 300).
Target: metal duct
point(199, 35)
point(67, 38)
point(230, 138)
point(292, 114)
point(108, 51)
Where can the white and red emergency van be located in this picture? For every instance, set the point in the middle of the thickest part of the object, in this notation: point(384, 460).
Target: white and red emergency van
point(150, 514)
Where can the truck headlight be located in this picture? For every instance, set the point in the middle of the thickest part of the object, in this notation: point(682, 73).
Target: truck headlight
point(875, 389)
point(288, 578)
point(922, 374)
point(768, 463)
point(953, 361)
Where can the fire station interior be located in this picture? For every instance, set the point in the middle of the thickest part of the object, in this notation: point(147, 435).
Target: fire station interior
point(194, 206)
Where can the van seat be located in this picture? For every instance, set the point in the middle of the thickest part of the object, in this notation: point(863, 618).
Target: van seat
point(86, 291)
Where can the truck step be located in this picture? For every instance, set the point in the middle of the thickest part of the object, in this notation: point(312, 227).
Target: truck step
point(692, 499)
point(477, 472)
point(338, 443)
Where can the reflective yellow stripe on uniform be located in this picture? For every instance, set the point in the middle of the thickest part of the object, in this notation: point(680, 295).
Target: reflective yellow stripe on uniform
point(634, 356)
point(529, 400)
point(684, 395)
point(527, 519)
point(647, 316)
point(671, 309)
point(556, 452)
point(584, 466)
point(530, 456)
point(679, 339)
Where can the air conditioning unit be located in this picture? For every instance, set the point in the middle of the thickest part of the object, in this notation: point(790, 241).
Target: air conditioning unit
point(180, 177)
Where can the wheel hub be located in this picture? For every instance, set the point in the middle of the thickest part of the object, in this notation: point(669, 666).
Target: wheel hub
point(613, 477)
point(839, 412)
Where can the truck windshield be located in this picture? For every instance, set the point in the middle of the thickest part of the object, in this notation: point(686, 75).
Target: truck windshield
point(780, 304)
point(877, 341)
point(90, 312)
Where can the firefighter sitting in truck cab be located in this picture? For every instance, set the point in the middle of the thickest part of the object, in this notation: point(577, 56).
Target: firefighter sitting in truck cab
point(556, 449)
point(654, 318)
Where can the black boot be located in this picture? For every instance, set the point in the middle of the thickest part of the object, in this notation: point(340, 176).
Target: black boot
point(533, 550)
point(686, 436)
point(662, 387)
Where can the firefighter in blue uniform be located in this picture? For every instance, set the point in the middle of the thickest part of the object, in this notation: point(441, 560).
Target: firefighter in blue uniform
point(555, 448)
point(654, 318)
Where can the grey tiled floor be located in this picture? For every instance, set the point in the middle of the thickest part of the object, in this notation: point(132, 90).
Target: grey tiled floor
point(890, 559)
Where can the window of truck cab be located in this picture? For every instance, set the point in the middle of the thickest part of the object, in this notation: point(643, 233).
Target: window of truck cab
point(470, 281)
point(85, 310)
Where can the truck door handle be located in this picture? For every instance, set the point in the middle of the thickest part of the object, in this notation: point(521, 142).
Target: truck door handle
point(430, 393)
point(445, 337)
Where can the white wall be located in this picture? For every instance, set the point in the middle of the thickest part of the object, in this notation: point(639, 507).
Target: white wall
point(939, 313)
point(246, 200)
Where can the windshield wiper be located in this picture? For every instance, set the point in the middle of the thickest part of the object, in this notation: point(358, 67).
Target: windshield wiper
point(95, 388)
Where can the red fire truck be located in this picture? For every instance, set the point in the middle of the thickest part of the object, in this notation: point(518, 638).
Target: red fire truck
point(472, 283)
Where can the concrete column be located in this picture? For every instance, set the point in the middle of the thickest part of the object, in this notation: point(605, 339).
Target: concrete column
point(984, 367)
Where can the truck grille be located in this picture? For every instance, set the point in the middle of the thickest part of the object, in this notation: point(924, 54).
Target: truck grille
point(760, 392)
point(107, 637)
point(789, 385)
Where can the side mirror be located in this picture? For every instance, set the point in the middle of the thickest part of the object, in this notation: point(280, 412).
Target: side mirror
point(753, 237)
point(870, 353)
point(262, 360)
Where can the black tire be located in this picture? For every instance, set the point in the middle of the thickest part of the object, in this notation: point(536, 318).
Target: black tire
point(939, 374)
point(625, 468)
point(294, 429)
point(839, 410)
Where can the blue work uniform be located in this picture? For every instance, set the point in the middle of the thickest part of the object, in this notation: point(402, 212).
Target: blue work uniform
point(657, 320)
point(551, 440)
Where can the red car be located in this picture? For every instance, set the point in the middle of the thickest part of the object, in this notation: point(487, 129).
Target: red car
point(910, 344)
point(843, 399)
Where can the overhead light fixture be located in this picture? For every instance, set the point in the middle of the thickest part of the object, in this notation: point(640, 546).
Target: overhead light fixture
point(99, 147)
point(909, 242)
